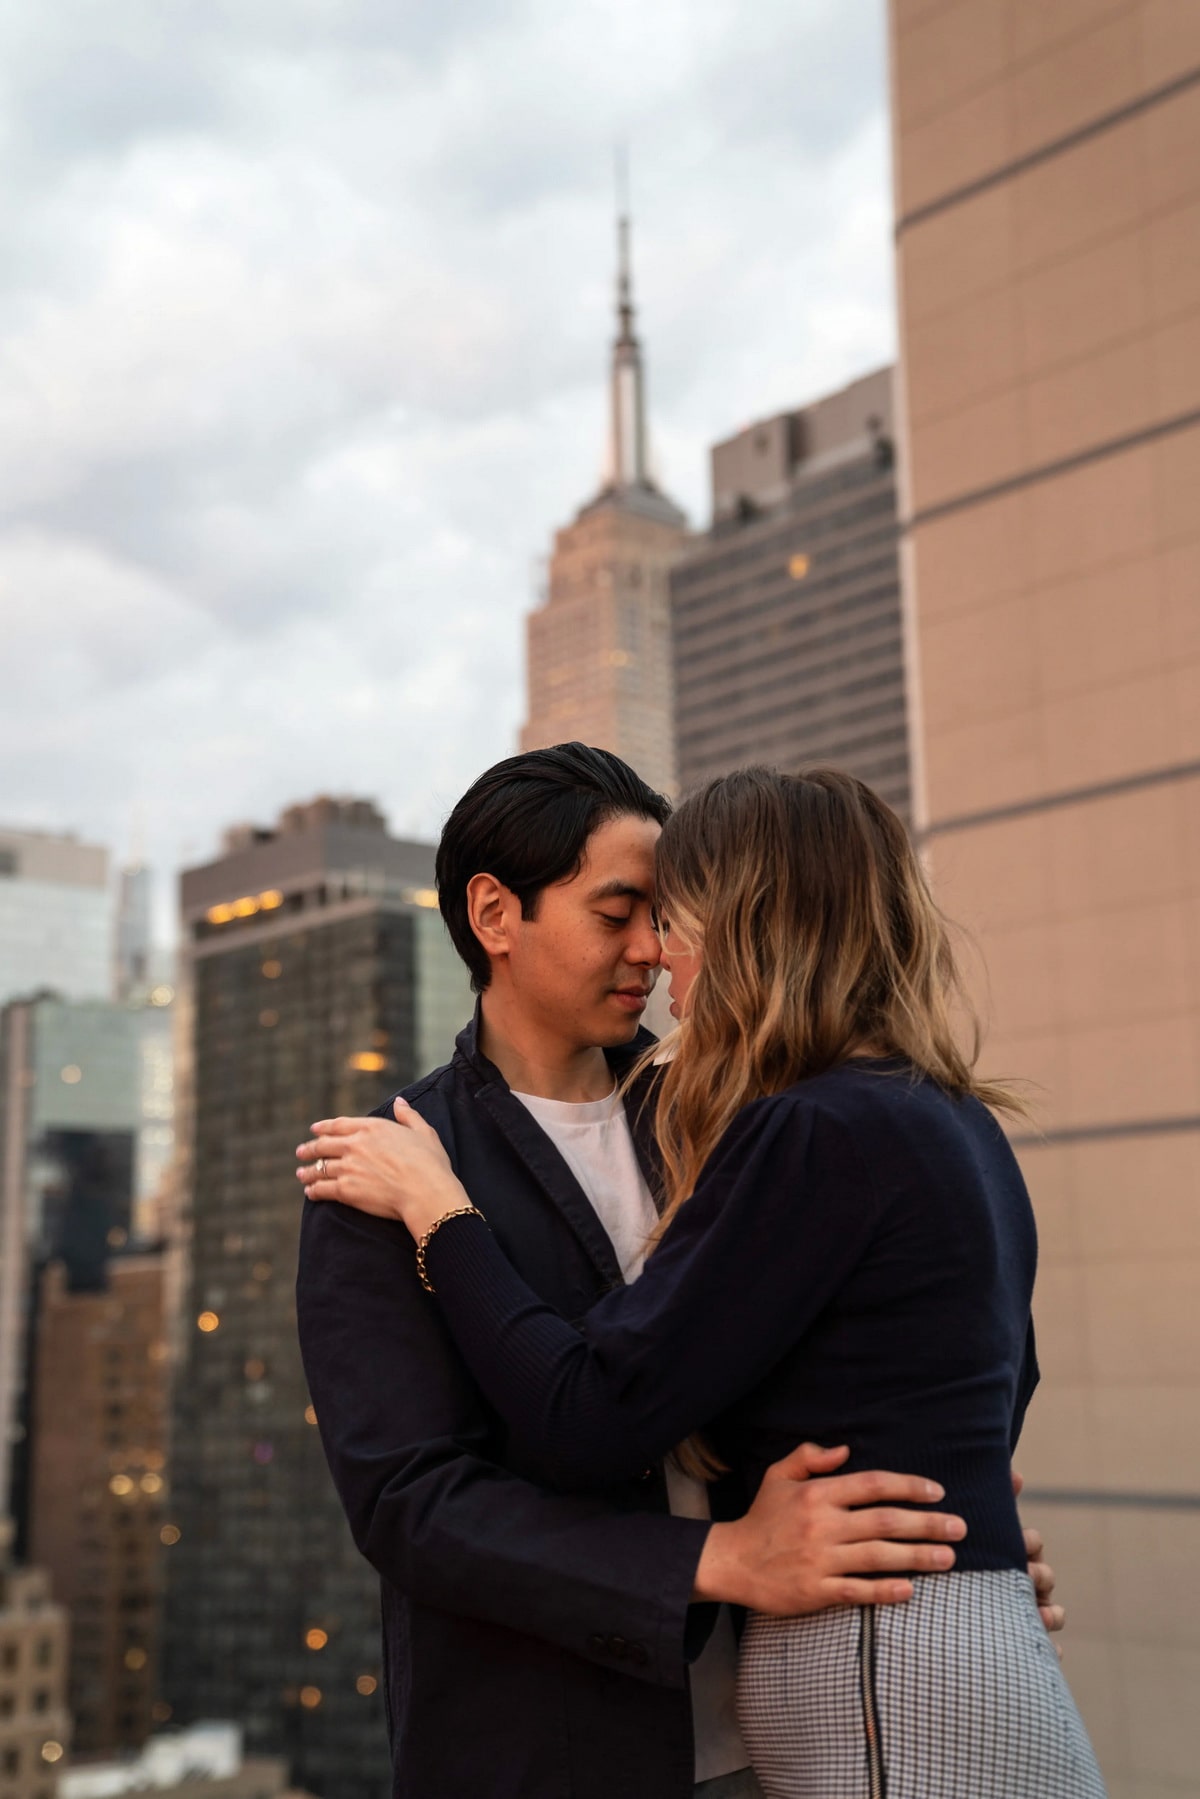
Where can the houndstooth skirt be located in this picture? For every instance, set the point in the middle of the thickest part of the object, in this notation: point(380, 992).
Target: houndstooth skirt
point(956, 1695)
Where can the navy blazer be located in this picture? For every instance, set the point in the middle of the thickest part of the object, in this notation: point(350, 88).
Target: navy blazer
point(535, 1644)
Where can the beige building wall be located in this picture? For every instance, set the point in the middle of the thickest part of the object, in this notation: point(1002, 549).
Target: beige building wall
point(1048, 203)
point(599, 650)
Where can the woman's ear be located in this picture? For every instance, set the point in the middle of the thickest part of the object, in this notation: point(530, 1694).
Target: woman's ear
point(489, 908)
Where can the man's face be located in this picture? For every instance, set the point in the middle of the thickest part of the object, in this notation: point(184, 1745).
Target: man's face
point(584, 966)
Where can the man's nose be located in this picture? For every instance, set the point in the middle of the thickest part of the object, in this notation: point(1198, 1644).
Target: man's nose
point(644, 948)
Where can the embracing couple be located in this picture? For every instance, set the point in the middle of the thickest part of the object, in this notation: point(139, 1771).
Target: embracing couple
point(584, 1306)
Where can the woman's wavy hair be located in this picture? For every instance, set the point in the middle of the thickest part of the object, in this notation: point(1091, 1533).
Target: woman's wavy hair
point(820, 938)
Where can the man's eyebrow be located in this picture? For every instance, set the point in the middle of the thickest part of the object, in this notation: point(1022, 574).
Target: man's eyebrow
point(618, 890)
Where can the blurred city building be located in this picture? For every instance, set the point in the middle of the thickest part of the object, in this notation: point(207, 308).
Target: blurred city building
point(86, 1146)
point(98, 1486)
point(34, 1722)
point(786, 618)
point(203, 1762)
point(319, 978)
point(1047, 164)
point(56, 917)
point(598, 650)
point(134, 942)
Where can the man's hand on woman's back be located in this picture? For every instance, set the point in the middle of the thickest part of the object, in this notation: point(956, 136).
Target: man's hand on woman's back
point(847, 1539)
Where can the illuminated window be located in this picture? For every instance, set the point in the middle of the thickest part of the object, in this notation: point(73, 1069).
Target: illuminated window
point(798, 567)
point(272, 969)
point(208, 1321)
point(366, 1684)
point(310, 1697)
point(72, 1074)
point(368, 1061)
point(170, 1535)
point(316, 1638)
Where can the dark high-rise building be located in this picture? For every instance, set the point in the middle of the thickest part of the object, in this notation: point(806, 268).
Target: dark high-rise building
point(785, 614)
point(319, 979)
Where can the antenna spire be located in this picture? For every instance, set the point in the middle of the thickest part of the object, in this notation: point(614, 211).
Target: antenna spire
point(628, 402)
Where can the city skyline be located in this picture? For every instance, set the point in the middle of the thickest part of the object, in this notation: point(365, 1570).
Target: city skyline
point(285, 425)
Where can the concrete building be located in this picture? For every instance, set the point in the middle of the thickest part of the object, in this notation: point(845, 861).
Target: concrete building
point(34, 1722)
point(319, 979)
point(598, 657)
point(99, 1489)
point(56, 917)
point(786, 613)
point(1047, 162)
point(205, 1762)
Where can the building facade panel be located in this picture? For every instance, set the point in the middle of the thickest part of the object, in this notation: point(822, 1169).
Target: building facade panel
point(1053, 642)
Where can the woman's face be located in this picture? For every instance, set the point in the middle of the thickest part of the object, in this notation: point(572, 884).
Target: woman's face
point(682, 963)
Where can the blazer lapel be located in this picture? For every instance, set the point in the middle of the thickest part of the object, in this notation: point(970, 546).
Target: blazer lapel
point(542, 1159)
point(552, 1175)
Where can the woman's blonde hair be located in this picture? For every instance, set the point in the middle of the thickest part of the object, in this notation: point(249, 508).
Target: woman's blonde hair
point(820, 938)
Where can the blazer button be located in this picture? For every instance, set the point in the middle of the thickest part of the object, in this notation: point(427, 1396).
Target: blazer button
point(639, 1654)
point(618, 1647)
point(598, 1645)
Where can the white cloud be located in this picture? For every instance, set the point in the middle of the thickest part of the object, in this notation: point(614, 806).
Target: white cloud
point(304, 312)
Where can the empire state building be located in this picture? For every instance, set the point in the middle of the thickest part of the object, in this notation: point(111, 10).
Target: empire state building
point(599, 650)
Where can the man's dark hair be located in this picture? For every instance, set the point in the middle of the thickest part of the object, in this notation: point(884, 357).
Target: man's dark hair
point(527, 822)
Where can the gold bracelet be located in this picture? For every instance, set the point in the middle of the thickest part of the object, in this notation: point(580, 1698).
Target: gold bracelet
point(423, 1245)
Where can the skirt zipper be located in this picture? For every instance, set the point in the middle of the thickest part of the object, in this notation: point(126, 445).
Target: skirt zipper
point(875, 1777)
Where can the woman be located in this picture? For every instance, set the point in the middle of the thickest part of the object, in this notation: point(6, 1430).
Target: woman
point(846, 1253)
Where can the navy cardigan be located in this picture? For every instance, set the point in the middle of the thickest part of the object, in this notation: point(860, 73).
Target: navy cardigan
point(855, 1266)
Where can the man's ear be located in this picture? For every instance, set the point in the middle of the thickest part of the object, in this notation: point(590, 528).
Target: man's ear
point(493, 910)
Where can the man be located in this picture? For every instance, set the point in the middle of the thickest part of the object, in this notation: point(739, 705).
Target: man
point(538, 1645)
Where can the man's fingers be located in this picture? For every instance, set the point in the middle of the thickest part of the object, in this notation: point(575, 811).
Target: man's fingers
point(1043, 1578)
point(896, 1523)
point(876, 1487)
point(1018, 1481)
point(806, 1459)
point(868, 1592)
point(1052, 1616)
point(336, 1127)
point(1035, 1546)
point(893, 1558)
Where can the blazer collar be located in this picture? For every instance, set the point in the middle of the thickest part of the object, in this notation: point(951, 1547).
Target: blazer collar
point(541, 1157)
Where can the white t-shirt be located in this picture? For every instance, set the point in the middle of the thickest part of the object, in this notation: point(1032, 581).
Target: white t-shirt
point(594, 1140)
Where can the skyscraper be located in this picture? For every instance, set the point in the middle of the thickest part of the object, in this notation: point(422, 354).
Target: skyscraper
point(86, 1140)
point(319, 978)
point(99, 1486)
point(56, 917)
point(599, 665)
point(1048, 195)
point(786, 613)
point(134, 945)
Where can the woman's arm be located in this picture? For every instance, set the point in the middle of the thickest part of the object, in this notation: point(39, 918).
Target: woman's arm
point(782, 1212)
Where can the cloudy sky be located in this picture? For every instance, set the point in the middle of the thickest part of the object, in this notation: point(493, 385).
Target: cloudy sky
point(304, 315)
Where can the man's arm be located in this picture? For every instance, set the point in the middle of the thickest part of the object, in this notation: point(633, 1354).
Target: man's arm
point(407, 1438)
